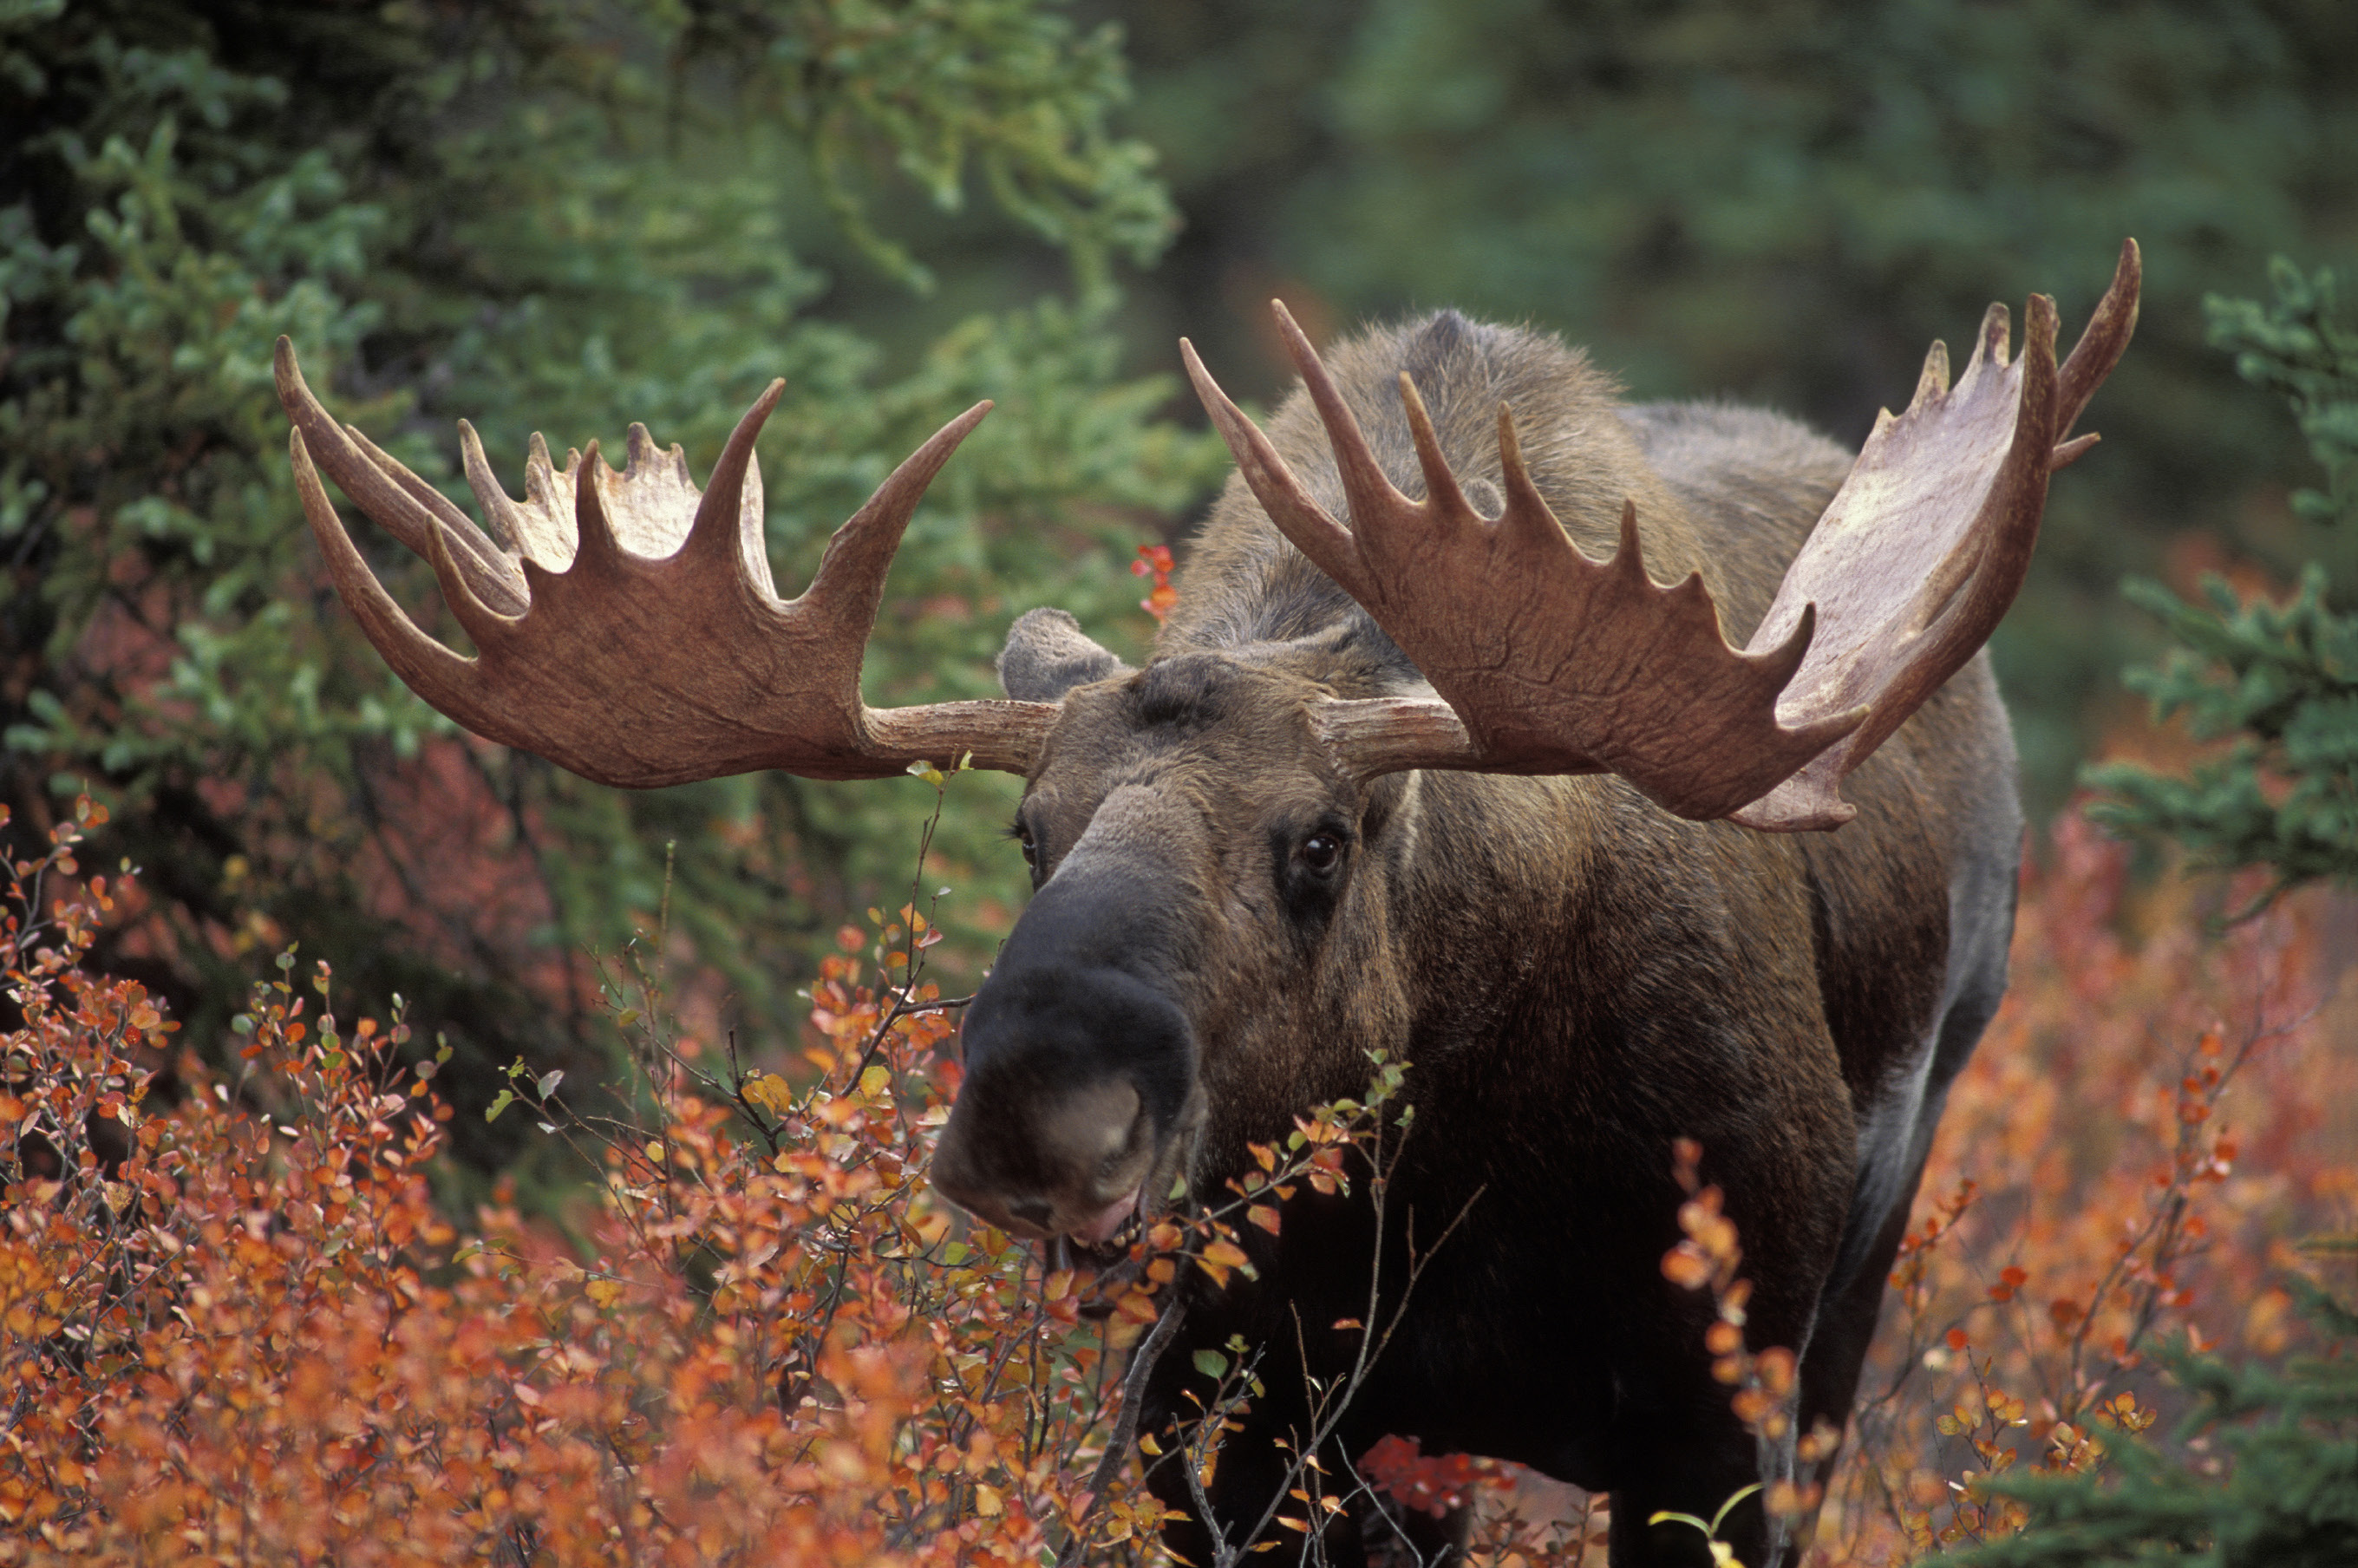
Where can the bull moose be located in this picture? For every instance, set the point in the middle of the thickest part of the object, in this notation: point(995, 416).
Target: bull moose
point(1427, 759)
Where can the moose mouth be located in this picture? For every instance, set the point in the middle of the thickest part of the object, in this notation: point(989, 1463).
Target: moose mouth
point(1103, 1270)
point(1111, 1220)
point(1103, 1252)
point(1100, 1248)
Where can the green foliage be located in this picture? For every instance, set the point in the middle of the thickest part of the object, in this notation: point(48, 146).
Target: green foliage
point(563, 216)
point(2273, 1483)
point(2281, 680)
point(995, 87)
point(2296, 347)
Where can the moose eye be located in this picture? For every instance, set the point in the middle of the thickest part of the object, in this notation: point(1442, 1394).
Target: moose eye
point(1322, 852)
point(1022, 836)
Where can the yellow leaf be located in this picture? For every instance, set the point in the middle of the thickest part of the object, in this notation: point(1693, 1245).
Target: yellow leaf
point(605, 1292)
point(875, 1081)
point(988, 1502)
point(769, 1092)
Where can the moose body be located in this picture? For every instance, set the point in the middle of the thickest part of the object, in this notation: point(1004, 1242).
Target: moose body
point(1576, 977)
point(1476, 779)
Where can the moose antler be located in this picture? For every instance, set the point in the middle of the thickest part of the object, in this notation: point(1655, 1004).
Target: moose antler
point(1548, 662)
point(1924, 546)
point(630, 630)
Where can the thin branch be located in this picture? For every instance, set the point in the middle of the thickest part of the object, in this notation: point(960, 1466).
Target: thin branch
point(1125, 1431)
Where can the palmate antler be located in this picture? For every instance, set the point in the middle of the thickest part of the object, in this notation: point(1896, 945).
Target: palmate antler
point(1547, 662)
point(629, 630)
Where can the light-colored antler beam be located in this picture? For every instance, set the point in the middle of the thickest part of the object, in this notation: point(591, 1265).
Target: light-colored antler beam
point(1928, 542)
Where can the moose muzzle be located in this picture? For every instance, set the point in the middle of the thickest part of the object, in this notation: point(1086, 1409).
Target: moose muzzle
point(1080, 1065)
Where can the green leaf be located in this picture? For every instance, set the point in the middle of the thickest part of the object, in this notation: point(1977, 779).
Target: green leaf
point(1211, 1363)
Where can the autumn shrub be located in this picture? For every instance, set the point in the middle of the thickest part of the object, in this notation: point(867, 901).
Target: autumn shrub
point(237, 1323)
point(2159, 1112)
point(2266, 1474)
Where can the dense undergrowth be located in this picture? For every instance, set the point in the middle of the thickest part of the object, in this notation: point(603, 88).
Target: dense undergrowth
point(238, 1324)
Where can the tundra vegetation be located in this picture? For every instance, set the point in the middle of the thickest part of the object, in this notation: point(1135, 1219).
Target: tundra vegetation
point(239, 1324)
point(2155, 1114)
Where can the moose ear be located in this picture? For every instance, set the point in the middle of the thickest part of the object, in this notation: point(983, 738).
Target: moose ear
point(1047, 654)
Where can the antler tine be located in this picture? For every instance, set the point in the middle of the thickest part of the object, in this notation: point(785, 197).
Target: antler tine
point(1992, 344)
point(503, 516)
point(2102, 342)
point(1522, 496)
point(486, 625)
point(1380, 513)
point(849, 584)
point(1932, 380)
point(387, 491)
point(431, 670)
point(648, 669)
point(597, 554)
point(1446, 500)
point(1297, 514)
point(722, 530)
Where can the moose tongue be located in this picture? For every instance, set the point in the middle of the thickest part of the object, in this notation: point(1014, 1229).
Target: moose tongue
point(1108, 1220)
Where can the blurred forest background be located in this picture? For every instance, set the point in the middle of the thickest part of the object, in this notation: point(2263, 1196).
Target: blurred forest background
point(564, 215)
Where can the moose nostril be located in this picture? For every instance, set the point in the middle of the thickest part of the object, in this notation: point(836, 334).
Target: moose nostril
point(1032, 1211)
